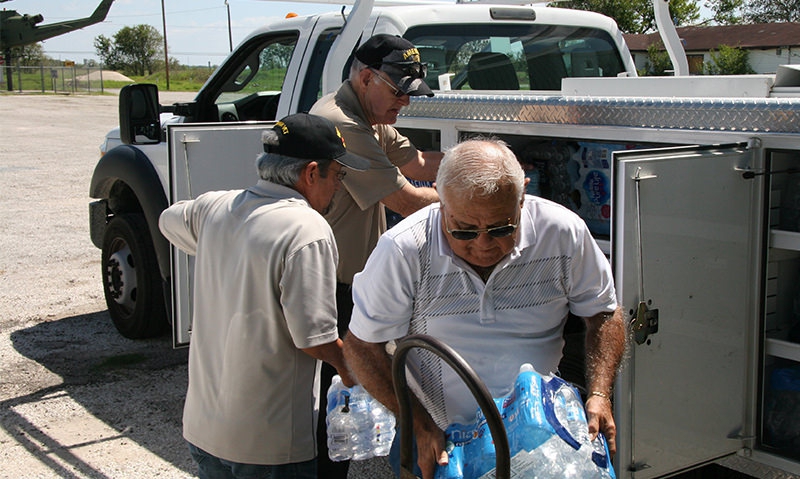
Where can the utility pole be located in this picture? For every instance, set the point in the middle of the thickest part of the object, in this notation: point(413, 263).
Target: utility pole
point(166, 51)
point(230, 36)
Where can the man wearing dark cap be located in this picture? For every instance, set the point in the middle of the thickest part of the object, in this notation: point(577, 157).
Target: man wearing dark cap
point(265, 256)
point(386, 71)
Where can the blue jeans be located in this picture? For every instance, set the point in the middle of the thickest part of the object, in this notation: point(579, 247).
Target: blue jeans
point(212, 467)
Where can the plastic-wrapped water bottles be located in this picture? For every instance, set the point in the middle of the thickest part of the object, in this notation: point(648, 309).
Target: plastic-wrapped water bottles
point(455, 463)
point(359, 427)
point(547, 431)
point(341, 432)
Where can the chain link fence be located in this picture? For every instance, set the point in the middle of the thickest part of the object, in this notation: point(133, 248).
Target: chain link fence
point(55, 79)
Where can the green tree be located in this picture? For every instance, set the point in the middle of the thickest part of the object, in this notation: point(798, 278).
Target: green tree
point(133, 50)
point(276, 56)
point(107, 51)
point(725, 12)
point(728, 61)
point(28, 55)
point(636, 16)
point(658, 61)
point(771, 11)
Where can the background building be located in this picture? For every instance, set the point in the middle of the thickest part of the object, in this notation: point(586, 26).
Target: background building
point(769, 44)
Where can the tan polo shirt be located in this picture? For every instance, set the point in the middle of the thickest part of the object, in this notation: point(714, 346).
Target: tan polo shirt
point(357, 216)
point(264, 282)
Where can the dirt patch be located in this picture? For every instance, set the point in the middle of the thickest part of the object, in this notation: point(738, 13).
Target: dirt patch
point(105, 75)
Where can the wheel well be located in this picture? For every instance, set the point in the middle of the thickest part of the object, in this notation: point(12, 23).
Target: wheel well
point(128, 182)
point(122, 199)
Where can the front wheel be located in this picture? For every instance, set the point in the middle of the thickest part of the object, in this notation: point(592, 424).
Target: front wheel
point(131, 279)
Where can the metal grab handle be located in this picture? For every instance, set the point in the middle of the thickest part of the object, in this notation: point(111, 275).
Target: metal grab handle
point(473, 382)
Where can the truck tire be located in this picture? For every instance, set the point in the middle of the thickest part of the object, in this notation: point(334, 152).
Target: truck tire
point(131, 279)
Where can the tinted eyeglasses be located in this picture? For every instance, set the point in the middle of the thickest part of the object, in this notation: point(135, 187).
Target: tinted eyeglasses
point(494, 232)
point(341, 174)
point(396, 91)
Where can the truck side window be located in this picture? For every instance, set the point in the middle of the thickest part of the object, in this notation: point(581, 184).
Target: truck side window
point(312, 84)
point(514, 57)
point(249, 84)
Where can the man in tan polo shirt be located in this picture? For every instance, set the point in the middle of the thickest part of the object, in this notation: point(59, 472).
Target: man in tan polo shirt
point(265, 256)
point(386, 71)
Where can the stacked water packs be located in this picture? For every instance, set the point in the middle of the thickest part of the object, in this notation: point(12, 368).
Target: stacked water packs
point(547, 431)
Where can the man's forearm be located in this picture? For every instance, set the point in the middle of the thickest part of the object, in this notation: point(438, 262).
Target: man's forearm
point(372, 367)
point(410, 198)
point(605, 347)
point(332, 354)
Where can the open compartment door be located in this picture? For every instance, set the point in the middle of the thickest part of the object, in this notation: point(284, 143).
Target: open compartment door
point(685, 232)
point(205, 157)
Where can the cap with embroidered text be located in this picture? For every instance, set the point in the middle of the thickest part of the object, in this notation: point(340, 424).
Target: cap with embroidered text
point(399, 59)
point(312, 137)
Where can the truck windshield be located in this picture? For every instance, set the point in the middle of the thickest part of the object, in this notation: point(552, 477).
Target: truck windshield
point(514, 57)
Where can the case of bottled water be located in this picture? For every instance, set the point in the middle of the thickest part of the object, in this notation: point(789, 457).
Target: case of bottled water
point(359, 427)
point(547, 432)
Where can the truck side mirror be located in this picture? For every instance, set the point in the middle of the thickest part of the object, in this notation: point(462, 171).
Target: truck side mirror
point(139, 114)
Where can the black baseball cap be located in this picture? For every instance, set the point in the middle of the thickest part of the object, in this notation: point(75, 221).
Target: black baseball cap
point(313, 137)
point(399, 59)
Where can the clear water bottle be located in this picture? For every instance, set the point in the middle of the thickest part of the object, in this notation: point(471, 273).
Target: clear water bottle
point(383, 422)
point(336, 392)
point(569, 411)
point(341, 432)
point(362, 421)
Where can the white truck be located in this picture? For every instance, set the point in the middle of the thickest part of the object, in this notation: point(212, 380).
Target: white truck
point(690, 184)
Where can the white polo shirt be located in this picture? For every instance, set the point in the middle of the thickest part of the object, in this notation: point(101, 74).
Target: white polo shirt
point(414, 284)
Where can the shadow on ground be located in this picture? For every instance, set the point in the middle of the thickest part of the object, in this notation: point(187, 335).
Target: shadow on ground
point(136, 388)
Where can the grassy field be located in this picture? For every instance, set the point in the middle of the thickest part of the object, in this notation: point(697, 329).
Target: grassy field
point(183, 79)
point(83, 80)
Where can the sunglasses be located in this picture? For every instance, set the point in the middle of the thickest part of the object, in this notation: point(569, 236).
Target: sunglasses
point(494, 232)
point(398, 93)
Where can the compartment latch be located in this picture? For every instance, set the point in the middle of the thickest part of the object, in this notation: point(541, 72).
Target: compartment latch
point(644, 322)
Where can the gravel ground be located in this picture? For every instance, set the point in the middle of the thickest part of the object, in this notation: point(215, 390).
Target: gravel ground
point(76, 399)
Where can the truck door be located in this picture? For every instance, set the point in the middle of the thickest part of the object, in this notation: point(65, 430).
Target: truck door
point(205, 157)
point(685, 235)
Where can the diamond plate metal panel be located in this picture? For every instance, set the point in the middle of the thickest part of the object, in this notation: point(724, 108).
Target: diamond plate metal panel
point(777, 115)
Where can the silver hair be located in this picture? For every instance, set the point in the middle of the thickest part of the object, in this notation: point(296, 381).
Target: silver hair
point(479, 167)
point(355, 69)
point(281, 169)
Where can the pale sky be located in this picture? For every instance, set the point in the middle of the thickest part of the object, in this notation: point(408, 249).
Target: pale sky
point(197, 30)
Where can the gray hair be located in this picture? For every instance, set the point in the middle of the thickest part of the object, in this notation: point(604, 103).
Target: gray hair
point(479, 167)
point(355, 69)
point(281, 169)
